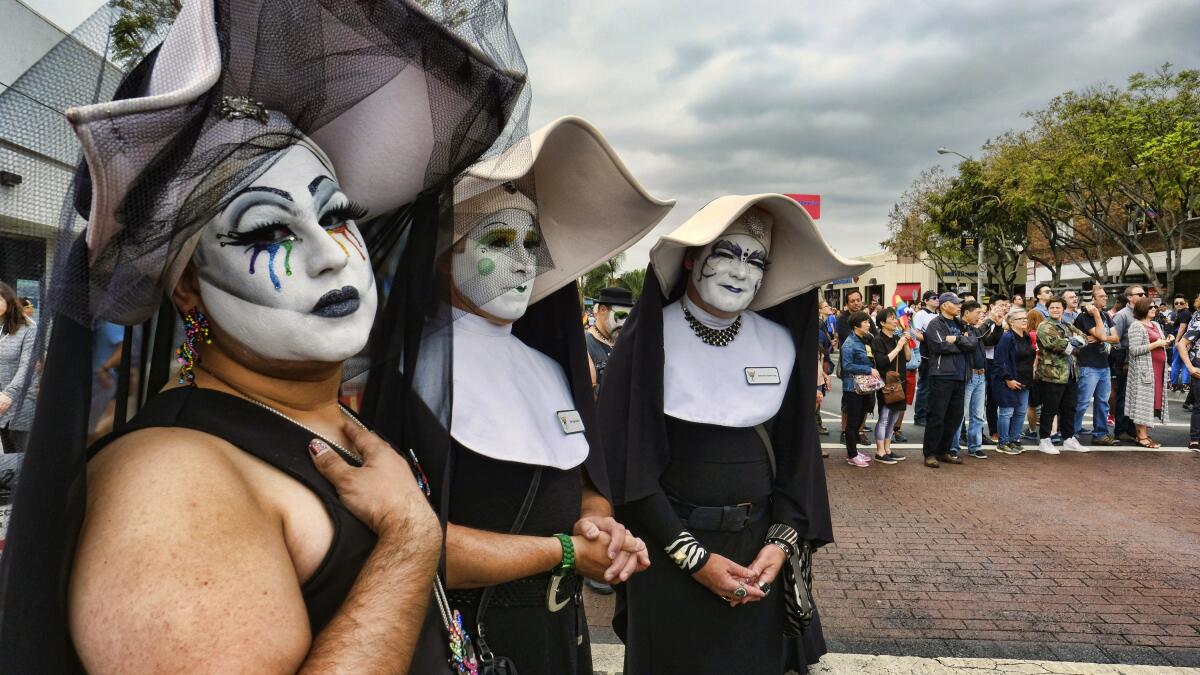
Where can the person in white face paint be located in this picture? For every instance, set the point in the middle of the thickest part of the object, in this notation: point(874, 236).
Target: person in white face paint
point(244, 520)
point(612, 308)
point(528, 511)
point(708, 426)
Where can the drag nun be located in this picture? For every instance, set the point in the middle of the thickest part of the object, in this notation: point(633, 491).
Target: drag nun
point(525, 480)
point(707, 424)
point(217, 189)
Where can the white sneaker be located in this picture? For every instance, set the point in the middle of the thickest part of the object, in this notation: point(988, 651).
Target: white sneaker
point(1047, 446)
point(1075, 445)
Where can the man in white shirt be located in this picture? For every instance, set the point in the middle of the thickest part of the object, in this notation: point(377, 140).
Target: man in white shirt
point(928, 310)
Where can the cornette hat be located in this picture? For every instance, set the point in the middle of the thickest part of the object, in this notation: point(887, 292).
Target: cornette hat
point(799, 256)
point(590, 207)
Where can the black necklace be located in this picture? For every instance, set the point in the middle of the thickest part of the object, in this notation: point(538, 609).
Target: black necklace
point(717, 337)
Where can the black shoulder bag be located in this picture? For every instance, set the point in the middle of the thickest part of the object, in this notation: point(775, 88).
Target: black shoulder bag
point(797, 573)
point(489, 663)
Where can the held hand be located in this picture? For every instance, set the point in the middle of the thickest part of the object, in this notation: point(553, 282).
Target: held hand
point(591, 555)
point(722, 576)
point(382, 493)
point(627, 552)
point(767, 565)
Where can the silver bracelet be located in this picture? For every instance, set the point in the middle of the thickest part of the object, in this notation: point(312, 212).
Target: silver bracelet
point(787, 552)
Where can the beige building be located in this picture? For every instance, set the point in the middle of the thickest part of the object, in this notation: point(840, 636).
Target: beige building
point(908, 278)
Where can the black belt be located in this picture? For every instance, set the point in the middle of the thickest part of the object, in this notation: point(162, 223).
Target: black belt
point(733, 518)
point(527, 592)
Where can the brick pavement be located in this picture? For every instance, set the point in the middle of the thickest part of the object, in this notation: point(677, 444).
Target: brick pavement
point(1078, 557)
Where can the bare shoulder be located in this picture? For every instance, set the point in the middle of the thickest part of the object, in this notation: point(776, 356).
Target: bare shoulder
point(179, 566)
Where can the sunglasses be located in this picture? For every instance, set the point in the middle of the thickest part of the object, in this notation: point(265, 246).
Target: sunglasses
point(1138, 294)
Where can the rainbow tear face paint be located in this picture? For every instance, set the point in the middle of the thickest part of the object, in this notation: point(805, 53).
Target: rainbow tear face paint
point(269, 263)
point(496, 267)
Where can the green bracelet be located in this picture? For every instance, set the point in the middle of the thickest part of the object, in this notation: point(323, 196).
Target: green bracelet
point(568, 555)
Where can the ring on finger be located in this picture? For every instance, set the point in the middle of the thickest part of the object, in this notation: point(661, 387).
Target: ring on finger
point(739, 592)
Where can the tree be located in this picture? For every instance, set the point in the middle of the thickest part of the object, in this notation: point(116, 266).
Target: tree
point(634, 280)
point(137, 23)
point(602, 276)
point(914, 224)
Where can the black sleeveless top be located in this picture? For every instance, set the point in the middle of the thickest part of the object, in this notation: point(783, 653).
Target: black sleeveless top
point(283, 445)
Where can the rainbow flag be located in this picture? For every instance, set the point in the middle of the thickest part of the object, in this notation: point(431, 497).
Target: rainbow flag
point(903, 311)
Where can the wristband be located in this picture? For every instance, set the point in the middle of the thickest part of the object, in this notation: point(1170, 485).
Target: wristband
point(784, 537)
point(567, 563)
point(687, 553)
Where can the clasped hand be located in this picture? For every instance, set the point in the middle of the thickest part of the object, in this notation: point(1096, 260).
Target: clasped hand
point(608, 550)
point(723, 577)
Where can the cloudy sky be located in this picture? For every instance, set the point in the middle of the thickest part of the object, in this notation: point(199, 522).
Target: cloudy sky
point(849, 100)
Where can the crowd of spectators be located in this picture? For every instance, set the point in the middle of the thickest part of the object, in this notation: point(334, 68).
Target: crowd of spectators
point(976, 374)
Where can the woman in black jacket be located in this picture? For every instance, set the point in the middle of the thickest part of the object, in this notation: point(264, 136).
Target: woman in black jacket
point(891, 352)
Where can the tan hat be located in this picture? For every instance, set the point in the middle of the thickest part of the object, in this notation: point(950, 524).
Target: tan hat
point(590, 207)
point(799, 257)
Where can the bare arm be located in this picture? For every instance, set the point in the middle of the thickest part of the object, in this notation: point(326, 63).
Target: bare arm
point(206, 583)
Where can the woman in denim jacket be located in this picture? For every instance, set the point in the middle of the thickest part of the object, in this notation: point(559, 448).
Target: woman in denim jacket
point(856, 360)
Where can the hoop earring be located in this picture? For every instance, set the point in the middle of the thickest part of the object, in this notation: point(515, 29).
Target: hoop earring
point(196, 328)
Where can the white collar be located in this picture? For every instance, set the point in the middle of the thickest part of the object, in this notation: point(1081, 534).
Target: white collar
point(708, 384)
point(507, 396)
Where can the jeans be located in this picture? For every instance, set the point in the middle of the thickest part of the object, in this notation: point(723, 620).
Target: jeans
point(973, 414)
point(944, 416)
point(1058, 400)
point(886, 423)
point(1179, 370)
point(989, 403)
point(1012, 420)
point(921, 400)
point(1095, 384)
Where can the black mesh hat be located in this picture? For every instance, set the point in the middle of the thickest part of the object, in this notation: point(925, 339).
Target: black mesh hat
point(398, 99)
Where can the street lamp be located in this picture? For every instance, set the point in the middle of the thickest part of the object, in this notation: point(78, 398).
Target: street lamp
point(979, 255)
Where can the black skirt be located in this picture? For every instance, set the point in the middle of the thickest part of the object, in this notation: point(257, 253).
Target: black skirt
point(671, 623)
point(487, 494)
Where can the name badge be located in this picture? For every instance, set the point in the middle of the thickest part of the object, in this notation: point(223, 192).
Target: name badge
point(762, 376)
point(570, 421)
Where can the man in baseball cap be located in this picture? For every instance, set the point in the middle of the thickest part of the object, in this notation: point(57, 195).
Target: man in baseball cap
point(925, 314)
point(948, 344)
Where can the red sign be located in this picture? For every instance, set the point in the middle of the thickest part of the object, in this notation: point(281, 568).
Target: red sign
point(811, 203)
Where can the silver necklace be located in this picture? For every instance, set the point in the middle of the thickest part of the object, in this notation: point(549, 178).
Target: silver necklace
point(352, 456)
point(717, 337)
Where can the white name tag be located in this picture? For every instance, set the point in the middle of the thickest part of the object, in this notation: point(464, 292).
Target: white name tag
point(762, 376)
point(570, 421)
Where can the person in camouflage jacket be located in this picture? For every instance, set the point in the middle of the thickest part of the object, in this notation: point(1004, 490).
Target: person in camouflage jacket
point(1058, 374)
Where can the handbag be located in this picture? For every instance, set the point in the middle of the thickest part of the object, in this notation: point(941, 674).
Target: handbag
point(477, 649)
point(867, 384)
point(798, 605)
point(893, 389)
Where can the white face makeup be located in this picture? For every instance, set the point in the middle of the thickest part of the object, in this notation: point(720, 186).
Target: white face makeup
point(283, 269)
point(496, 268)
point(729, 271)
point(612, 322)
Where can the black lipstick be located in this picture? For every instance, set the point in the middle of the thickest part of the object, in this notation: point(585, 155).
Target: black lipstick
point(337, 303)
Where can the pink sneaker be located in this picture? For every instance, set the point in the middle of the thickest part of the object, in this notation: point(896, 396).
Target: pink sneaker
point(859, 460)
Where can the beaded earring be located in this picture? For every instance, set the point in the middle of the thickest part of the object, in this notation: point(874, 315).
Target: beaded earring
point(196, 327)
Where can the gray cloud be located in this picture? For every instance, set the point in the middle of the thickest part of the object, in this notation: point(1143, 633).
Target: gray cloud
point(848, 100)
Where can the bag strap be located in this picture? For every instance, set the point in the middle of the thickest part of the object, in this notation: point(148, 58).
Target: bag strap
point(766, 441)
point(486, 597)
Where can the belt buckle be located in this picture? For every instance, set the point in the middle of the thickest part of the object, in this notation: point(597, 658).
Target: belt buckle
point(749, 509)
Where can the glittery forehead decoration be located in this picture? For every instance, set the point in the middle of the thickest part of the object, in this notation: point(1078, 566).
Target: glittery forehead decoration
point(755, 222)
point(242, 107)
